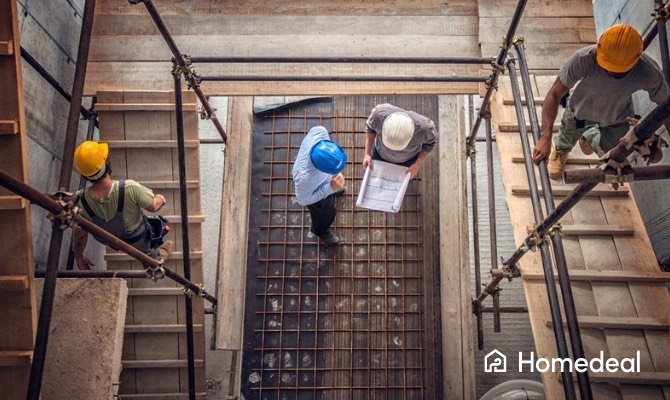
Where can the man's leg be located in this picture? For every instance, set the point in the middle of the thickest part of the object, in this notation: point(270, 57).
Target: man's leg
point(611, 135)
point(323, 214)
point(566, 138)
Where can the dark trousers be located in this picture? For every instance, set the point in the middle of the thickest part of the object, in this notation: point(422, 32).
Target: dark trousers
point(323, 214)
point(375, 156)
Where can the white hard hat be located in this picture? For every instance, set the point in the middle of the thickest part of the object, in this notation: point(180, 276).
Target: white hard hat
point(397, 131)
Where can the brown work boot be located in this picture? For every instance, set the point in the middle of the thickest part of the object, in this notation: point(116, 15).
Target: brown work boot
point(585, 146)
point(166, 249)
point(556, 164)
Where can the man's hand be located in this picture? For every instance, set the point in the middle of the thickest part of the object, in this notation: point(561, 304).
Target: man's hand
point(337, 182)
point(542, 149)
point(414, 170)
point(367, 162)
point(84, 263)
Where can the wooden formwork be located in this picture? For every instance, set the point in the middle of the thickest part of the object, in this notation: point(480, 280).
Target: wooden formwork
point(140, 128)
point(17, 292)
point(621, 297)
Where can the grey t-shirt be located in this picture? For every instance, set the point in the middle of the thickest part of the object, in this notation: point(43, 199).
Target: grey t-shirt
point(596, 96)
point(425, 134)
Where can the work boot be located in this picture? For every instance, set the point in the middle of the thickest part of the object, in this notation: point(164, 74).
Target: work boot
point(585, 146)
point(556, 164)
point(165, 250)
point(329, 238)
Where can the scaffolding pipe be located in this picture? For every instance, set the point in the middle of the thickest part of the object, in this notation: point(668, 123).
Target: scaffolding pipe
point(498, 68)
point(313, 78)
point(662, 38)
point(56, 240)
point(597, 175)
point(51, 80)
point(188, 303)
point(475, 235)
point(344, 60)
point(62, 216)
point(493, 236)
point(185, 66)
point(552, 293)
point(557, 242)
point(643, 131)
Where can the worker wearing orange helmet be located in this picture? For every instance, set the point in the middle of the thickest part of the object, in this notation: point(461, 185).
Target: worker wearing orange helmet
point(399, 137)
point(600, 80)
point(116, 206)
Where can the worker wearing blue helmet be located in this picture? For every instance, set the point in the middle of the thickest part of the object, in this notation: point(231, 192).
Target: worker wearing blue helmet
point(318, 179)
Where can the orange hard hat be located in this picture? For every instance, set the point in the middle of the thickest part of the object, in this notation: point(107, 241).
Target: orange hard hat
point(619, 48)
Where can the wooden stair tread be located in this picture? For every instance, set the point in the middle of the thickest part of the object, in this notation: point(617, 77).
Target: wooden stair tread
point(176, 363)
point(16, 358)
point(14, 283)
point(161, 328)
point(605, 275)
point(564, 190)
point(121, 144)
point(593, 230)
point(619, 323)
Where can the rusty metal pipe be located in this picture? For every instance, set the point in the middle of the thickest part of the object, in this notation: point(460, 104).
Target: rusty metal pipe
point(597, 175)
point(313, 78)
point(345, 60)
point(180, 59)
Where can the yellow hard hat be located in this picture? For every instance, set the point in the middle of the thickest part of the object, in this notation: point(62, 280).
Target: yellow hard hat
point(619, 48)
point(90, 157)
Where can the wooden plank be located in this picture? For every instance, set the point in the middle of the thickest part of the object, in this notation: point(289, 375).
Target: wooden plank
point(537, 100)
point(192, 219)
point(6, 47)
point(458, 347)
point(103, 107)
point(162, 396)
point(514, 127)
point(176, 255)
point(540, 55)
point(573, 159)
point(158, 291)
point(545, 29)
point(149, 144)
point(176, 363)
point(14, 283)
point(605, 276)
point(12, 202)
point(586, 321)
point(106, 76)
point(16, 358)
point(630, 378)
point(233, 239)
point(537, 8)
point(9, 127)
point(161, 328)
point(597, 230)
point(563, 191)
point(190, 184)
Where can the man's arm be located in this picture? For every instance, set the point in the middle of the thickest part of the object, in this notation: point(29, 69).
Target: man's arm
point(80, 238)
point(369, 142)
point(549, 113)
point(157, 203)
point(414, 168)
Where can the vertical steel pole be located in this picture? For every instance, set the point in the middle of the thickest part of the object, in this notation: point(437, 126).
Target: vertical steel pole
point(475, 235)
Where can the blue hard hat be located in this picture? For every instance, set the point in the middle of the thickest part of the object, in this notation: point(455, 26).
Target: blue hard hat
point(327, 156)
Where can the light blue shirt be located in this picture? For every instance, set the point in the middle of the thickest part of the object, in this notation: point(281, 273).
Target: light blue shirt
point(311, 185)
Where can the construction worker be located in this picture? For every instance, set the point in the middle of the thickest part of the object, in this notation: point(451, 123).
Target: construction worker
point(406, 137)
point(318, 179)
point(116, 206)
point(602, 78)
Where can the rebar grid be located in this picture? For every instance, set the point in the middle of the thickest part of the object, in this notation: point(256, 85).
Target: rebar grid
point(344, 322)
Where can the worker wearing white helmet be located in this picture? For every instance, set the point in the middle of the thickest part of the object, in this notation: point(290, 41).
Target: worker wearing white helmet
point(399, 137)
point(602, 78)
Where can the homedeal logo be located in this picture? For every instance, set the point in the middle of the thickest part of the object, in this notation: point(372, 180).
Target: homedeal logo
point(496, 361)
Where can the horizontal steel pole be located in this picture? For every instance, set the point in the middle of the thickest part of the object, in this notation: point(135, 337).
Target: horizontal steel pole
point(344, 60)
point(57, 209)
point(635, 174)
point(263, 78)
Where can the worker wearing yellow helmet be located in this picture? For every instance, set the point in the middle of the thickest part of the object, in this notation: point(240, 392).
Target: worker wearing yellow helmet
point(116, 206)
point(598, 81)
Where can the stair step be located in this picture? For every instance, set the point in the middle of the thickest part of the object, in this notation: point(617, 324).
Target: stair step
point(6, 47)
point(101, 107)
point(159, 291)
point(559, 190)
point(605, 275)
point(161, 328)
point(9, 127)
point(161, 396)
point(199, 363)
point(14, 283)
point(16, 358)
point(12, 202)
point(127, 144)
point(619, 323)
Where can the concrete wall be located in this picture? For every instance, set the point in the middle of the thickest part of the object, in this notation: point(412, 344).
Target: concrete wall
point(651, 196)
point(50, 33)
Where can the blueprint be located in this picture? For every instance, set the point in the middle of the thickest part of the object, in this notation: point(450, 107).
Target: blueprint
point(383, 187)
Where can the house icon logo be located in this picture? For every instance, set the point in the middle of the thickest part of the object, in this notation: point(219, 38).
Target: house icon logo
point(495, 361)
